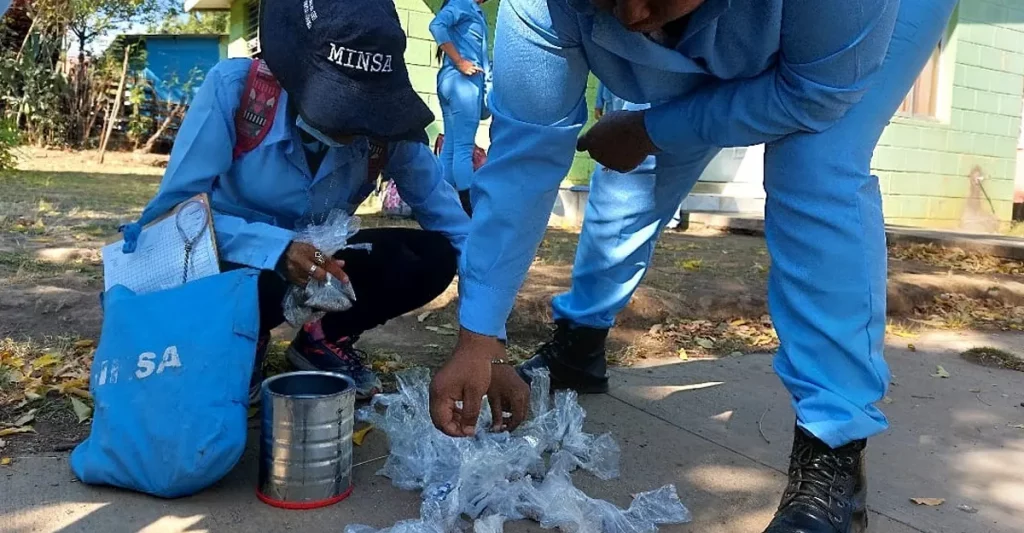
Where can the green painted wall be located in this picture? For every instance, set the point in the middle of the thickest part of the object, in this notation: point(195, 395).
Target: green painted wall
point(236, 30)
point(923, 164)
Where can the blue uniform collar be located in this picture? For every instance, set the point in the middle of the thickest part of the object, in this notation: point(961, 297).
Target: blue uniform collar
point(705, 15)
point(608, 33)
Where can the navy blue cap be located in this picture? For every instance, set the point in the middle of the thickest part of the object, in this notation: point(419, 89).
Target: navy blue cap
point(342, 64)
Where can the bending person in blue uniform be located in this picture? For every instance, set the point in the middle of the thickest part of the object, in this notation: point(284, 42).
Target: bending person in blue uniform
point(460, 30)
point(816, 81)
point(344, 84)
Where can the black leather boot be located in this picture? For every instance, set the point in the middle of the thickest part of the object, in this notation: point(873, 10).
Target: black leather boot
point(827, 491)
point(575, 357)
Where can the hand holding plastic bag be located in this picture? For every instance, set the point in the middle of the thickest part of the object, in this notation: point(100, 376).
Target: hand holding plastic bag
point(307, 304)
point(495, 477)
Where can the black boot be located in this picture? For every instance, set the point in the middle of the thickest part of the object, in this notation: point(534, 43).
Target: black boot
point(575, 357)
point(827, 491)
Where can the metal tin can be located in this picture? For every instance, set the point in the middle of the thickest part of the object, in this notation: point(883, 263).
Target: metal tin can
point(306, 441)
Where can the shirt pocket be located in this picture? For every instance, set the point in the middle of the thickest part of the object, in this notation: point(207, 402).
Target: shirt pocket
point(249, 215)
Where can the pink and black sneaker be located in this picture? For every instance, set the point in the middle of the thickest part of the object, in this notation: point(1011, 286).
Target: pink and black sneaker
point(312, 351)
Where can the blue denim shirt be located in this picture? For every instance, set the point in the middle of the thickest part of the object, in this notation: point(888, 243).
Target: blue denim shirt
point(260, 198)
point(462, 23)
point(743, 73)
point(608, 102)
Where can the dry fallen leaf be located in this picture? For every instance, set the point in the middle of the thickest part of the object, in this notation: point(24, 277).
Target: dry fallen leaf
point(25, 418)
point(683, 355)
point(45, 361)
point(360, 434)
point(692, 265)
point(84, 343)
point(887, 400)
point(4, 461)
point(441, 331)
point(930, 502)
point(14, 431)
point(1016, 426)
point(940, 372)
point(432, 346)
point(448, 326)
point(967, 508)
point(912, 348)
point(423, 316)
point(82, 411)
point(707, 344)
point(78, 392)
point(3, 444)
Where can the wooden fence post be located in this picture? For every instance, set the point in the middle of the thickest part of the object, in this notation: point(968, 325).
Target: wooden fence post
point(117, 103)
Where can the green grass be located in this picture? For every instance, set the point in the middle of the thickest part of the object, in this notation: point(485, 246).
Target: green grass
point(25, 267)
point(60, 192)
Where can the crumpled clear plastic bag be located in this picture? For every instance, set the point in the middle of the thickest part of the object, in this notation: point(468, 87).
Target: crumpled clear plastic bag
point(310, 303)
point(494, 523)
point(503, 476)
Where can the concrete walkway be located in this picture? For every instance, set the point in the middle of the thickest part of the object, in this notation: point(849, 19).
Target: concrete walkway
point(694, 424)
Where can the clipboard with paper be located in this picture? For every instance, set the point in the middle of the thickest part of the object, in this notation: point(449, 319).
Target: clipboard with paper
point(176, 248)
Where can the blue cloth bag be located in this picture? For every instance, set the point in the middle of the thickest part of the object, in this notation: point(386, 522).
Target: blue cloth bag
point(170, 385)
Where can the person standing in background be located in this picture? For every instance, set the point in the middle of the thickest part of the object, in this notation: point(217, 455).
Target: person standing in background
point(460, 30)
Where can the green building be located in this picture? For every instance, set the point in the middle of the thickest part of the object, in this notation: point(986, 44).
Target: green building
point(964, 113)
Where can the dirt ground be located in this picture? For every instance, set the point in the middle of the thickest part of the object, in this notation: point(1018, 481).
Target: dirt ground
point(704, 297)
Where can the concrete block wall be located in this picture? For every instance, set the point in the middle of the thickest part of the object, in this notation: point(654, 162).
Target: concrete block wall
point(923, 164)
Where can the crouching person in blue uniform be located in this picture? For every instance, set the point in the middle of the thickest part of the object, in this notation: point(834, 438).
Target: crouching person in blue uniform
point(273, 160)
point(816, 81)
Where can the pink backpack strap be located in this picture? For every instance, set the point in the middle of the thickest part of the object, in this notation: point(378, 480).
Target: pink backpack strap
point(258, 107)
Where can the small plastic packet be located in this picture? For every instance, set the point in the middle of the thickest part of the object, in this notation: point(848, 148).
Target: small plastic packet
point(306, 304)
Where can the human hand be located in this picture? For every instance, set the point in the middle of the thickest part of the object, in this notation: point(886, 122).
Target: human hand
point(301, 257)
point(619, 141)
point(508, 393)
point(466, 378)
point(467, 68)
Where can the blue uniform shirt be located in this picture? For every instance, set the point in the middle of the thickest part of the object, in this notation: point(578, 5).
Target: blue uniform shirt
point(260, 198)
point(462, 23)
point(742, 73)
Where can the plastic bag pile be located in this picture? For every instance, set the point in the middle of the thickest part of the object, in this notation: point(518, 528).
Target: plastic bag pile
point(496, 477)
point(307, 304)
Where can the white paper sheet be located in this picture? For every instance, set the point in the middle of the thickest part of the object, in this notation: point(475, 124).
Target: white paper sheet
point(158, 262)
